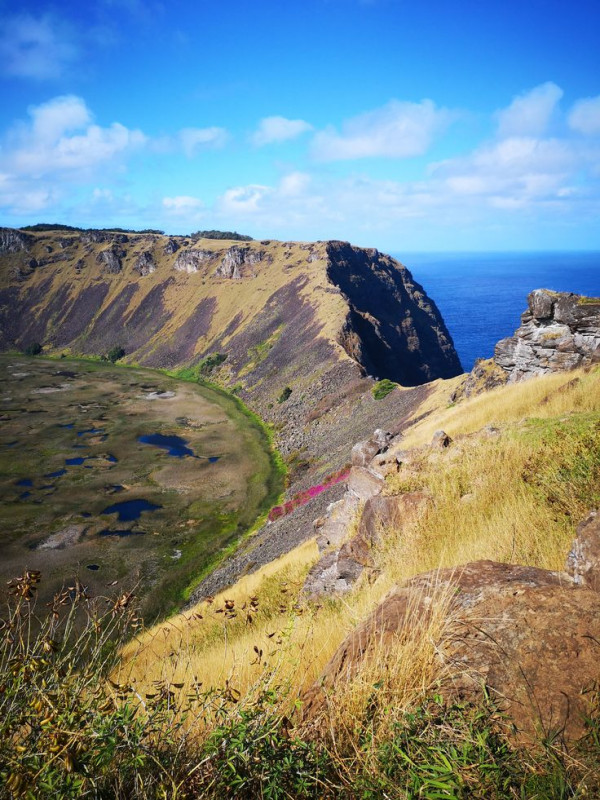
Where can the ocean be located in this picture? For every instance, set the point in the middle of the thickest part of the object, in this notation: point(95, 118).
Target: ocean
point(482, 295)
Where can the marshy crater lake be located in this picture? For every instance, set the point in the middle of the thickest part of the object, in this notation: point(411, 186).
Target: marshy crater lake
point(124, 477)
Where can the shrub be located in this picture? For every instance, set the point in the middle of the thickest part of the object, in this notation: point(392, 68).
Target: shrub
point(115, 354)
point(284, 395)
point(382, 388)
point(33, 349)
point(209, 363)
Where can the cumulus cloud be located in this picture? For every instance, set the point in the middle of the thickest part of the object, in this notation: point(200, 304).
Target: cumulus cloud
point(58, 145)
point(273, 130)
point(35, 47)
point(530, 113)
point(585, 116)
point(182, 205)
point(514, 172)
point(193, 140)
point(61, 138)
point(243, 199)
point(397, 130)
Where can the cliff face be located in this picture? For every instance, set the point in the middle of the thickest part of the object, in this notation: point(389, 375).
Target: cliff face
point(299, 327)
point(559, 331)
point(392, 328)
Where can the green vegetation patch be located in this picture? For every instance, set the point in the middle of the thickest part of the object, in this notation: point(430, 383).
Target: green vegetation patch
point(382, 388)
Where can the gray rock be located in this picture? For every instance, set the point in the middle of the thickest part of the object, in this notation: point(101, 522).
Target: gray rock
point(559, 332)
point(111, 260)
point(192, 260)
point(363, 483)
point(12, 241)
point(235, 258)
point(363, 453)
point(171, 247)
point(145, 264)
point(441, 440)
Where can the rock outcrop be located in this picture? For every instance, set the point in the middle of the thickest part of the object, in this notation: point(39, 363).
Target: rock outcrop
point(559, 331)
point(583, 561)
point(111, 260)
point(531, 636)
point(12, 241)
point(145, 264)
point(192, 260)
point(235, 259)
point(355, 524)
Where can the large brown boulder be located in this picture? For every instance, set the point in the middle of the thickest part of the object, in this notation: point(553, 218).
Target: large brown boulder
point(583, 561)
point(530, 635)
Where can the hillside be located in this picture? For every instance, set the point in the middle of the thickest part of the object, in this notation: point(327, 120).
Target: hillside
point(293, 328)
point(299, 331)
point(435, 634)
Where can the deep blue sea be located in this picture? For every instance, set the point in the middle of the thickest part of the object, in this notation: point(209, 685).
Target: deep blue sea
point(482, 295)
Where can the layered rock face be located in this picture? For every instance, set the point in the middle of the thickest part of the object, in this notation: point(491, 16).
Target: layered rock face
point(559, 331)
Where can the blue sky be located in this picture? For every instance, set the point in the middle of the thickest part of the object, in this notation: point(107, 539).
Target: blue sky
point(431, 125)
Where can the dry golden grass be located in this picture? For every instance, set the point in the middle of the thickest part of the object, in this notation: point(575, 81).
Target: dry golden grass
point(546, 396)
point(396, 671)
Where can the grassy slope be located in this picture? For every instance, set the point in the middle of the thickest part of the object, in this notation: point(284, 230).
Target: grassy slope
point(514, 496)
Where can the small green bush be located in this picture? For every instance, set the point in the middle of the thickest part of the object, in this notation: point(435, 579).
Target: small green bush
point(209, 363)
point(115, 354)
point(382, 388)
point(33, 349)
point(285, 395)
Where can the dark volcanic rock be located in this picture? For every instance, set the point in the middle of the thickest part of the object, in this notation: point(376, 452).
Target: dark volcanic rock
point(111, 260)
point(559, 331)
point(97, 237)
point(392, 329)
point(171, 247)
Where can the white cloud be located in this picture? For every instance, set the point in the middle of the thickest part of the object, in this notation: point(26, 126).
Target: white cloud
point(243, 199)
point(585, 116)
point(38, 48)
point(59, 146)
point(182, 205)
point(514, 172)
point(273, 130)
point(294, 184)
point(61, 138)
point(397, 130)
point(530, 113)
point(194, 139)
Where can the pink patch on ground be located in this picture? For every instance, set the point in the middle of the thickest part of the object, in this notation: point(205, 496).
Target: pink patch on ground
point(305, 496)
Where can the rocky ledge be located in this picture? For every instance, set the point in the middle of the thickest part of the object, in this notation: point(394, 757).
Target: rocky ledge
point(559, 331)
